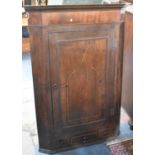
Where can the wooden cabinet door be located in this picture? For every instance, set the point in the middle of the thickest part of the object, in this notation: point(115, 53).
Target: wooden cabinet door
point(85, 72)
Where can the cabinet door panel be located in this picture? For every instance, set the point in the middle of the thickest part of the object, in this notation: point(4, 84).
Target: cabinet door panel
point(83, 75)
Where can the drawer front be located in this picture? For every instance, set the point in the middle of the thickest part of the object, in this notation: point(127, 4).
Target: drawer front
point(88, 138)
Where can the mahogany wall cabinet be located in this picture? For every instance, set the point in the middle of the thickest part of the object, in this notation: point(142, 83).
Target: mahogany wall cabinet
point(77, 73)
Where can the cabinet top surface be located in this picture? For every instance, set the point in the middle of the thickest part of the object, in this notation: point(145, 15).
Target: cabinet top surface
point(80, 7)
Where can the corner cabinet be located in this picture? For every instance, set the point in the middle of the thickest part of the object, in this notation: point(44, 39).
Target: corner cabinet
point(77, 73)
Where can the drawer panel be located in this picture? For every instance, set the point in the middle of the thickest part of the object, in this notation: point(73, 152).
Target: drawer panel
point(83, 139)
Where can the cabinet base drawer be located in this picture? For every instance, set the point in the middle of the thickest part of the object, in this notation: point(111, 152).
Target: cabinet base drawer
point(84, 139)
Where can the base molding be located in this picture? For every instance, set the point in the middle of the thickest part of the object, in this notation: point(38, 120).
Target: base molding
point(69, 148)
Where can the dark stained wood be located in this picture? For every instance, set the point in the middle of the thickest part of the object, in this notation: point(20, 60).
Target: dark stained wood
point(77, 73)
point(127, 85)
point(74, 17)
point(74, 7)
point(78, 17)
point(35, 19)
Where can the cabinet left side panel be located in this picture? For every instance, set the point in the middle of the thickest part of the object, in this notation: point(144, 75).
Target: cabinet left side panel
point(42, 88)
